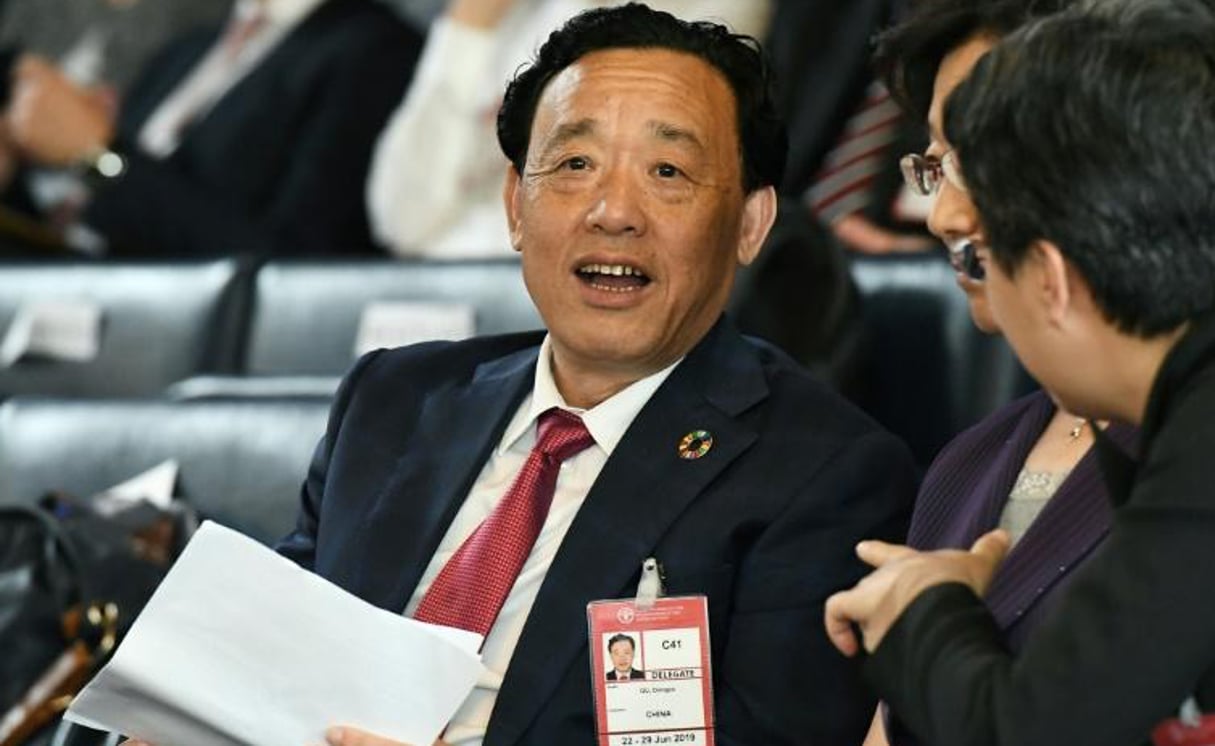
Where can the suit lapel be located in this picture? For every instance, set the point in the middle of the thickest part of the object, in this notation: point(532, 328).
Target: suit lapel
point(644, 487)
point(419, 502)
point(151, 90)
point(284, 66)
point(1002, 475)
point(1071, 524)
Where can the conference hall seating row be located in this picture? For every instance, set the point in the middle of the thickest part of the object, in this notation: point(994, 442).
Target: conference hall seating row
point(229, 368)
point(158, 323)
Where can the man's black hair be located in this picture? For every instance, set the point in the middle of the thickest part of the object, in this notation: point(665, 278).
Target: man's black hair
point(909, 53)
point(763, 140)
point(1093, 129)
point(621, 637)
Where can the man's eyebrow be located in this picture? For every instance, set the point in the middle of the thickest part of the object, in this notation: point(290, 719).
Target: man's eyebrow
point(675, 133)
point(566, 132)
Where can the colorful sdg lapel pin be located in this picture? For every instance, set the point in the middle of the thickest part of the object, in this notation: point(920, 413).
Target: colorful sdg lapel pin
point(695, 444)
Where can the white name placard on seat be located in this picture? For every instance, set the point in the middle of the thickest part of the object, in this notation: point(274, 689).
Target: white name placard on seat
point(68, 330)
point(154, 485)
point(399, 323)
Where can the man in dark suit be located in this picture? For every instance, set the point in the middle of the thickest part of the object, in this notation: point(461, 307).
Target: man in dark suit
point(1100, 271)
point(644, 152)
point(256, 138)
point(621, 649)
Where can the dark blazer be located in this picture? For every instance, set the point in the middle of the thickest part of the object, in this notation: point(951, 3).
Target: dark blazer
point(764, 523)
point(279, 164)
point(821, 50)
point(965, 491)
point(1131, 637)
point(967, 487)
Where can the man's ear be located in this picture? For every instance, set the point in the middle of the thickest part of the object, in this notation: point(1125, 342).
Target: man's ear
point(511, 197)
point(759, 213)
point(1055, 282)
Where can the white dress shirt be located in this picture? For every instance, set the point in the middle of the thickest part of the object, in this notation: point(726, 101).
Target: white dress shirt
point(218, 71)
point(435, 187)
point(607, 423)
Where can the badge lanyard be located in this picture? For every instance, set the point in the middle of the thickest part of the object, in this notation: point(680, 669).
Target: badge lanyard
point(650, 667)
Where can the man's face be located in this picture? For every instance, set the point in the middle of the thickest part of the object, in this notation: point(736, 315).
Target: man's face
point(630, 214)
point(622, 655)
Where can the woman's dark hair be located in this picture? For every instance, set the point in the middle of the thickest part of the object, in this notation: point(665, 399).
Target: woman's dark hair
point(909, 53)
point(634, 26)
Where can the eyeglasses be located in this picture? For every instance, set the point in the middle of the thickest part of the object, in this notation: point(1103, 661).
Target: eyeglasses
point(964, 258)
point(924, 173)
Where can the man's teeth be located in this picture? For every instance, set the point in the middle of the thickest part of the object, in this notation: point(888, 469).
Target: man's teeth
point(619, 270)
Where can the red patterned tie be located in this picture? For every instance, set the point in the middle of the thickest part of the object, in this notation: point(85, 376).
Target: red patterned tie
point(470, 589)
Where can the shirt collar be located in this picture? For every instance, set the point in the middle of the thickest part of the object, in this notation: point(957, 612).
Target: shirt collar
point(278, 12)
point(607, 421)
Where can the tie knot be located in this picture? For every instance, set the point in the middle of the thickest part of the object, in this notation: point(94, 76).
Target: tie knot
point(561, 434)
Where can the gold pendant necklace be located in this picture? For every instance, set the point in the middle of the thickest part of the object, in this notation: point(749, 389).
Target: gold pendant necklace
point(1074, 433)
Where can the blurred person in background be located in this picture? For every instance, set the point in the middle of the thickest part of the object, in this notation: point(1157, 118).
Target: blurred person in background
point(102, 43)
point(846, 132)
point(98, 44)
point(858, 193)
point(254, 137)
point(418, 13)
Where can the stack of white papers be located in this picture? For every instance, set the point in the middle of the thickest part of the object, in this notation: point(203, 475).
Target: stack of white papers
point(240, 646)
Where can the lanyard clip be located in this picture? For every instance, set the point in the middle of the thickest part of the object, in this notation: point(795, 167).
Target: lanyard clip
point(1190, 714)
point(649, 588)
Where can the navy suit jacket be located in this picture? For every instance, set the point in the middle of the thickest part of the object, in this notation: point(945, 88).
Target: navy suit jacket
point(279, 164)
point(764, 523)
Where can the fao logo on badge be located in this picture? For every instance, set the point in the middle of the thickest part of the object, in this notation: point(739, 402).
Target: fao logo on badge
point(625, 615)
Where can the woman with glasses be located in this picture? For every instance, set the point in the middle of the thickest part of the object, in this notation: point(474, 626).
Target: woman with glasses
point(1029, 467)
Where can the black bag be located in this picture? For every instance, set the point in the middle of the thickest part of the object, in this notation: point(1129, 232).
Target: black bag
point(72, 580)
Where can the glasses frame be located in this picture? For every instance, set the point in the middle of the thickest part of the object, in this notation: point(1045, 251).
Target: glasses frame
point(923, 174)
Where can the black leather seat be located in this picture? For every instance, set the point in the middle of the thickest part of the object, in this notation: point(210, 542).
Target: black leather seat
point(928, 372)
point(306, 315)
point(217, 388)
point(241, 462)
point(161, 322)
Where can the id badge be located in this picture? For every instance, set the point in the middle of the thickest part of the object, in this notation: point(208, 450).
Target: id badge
point(651, 672)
